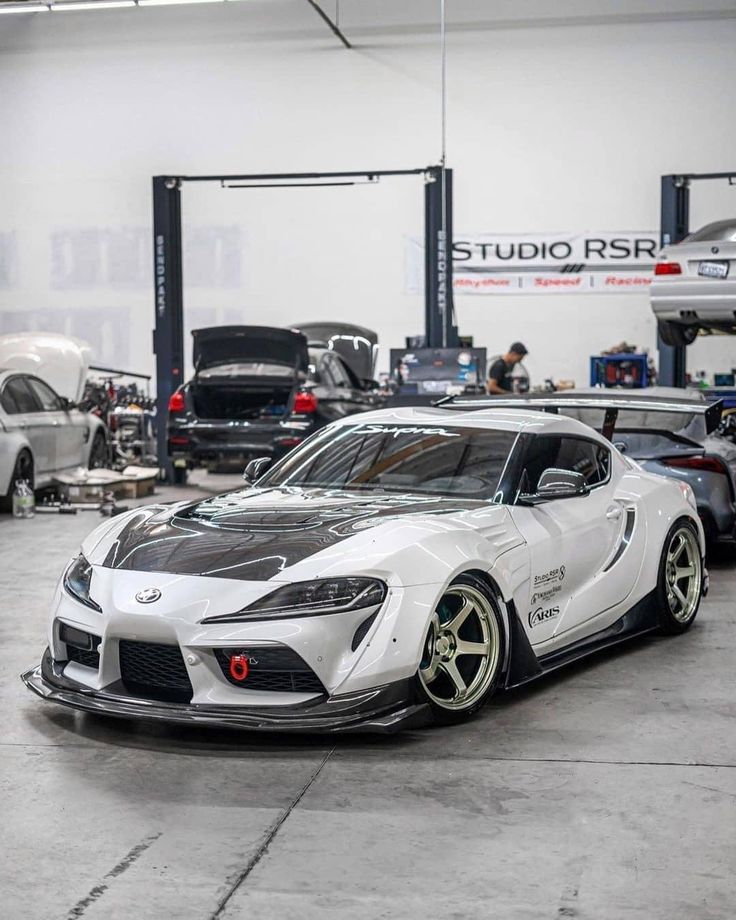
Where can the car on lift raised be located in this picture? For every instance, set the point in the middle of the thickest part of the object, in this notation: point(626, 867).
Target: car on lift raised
point(397, 568)
point(261, 390)
point(694, 284)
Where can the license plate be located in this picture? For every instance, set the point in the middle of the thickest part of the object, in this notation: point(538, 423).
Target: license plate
point(713, 269)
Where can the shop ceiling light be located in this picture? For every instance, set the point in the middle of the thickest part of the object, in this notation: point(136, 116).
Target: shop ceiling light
point(173, 2)
point(24, 8)
point(90, 5)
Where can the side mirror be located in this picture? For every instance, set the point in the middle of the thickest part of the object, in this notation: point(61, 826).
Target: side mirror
point(554, 484)
point(370, 384)
point(256, 468)
point(67, 404)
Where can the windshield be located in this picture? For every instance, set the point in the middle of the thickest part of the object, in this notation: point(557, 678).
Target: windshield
point(429, 459)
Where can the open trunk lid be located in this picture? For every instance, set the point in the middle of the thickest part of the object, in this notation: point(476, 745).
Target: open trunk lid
point(356, 345)
point(222, 345)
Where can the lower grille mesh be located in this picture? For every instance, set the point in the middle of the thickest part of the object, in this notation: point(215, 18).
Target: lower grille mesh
point(87, 657)
point(155, 672)
point(274, 668)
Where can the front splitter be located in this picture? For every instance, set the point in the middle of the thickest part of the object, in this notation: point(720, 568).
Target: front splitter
point(384, 709)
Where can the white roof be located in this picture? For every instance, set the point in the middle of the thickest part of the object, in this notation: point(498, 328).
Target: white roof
point(500, 419)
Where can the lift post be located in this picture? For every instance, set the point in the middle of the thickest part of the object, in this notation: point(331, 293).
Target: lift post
point(674, 227)
point(168, 337)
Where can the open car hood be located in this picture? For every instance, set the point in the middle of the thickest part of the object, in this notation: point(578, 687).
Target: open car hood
point(62, 361)
point(217, 345)
point(356, 345)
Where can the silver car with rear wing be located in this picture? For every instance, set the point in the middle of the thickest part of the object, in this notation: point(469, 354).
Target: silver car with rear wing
point(669, 435)
point(694, 285)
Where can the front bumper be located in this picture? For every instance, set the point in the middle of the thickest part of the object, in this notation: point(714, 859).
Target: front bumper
point(384, 709)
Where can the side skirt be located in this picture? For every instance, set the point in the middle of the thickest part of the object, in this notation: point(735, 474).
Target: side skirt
point(525, 666)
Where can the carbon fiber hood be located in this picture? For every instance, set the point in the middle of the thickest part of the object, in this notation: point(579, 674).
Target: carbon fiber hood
point(252, 535)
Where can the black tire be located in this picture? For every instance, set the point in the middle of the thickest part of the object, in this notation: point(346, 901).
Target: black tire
point(179, 475)
point(676, 334)
point(99, 454)
point(676, 617)
point(23, 469)
point(482, 626)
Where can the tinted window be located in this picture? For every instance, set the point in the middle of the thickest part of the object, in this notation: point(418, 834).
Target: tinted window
point(400, 458)
point(7, 401)
point(45, 395)
point(577, 455)
point(19, 395)
point(338, 372)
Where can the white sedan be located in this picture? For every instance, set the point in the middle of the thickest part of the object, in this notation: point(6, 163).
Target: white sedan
point(396, 569)
point(694, 285)
point(42, 434)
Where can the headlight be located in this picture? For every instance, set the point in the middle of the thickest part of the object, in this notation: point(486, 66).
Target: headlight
point(77, 579)
point(310, 598)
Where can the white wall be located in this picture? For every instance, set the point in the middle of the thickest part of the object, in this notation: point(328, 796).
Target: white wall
point(561, 117)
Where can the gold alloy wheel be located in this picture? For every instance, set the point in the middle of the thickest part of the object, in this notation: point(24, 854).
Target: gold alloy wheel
point(683, 574)
point(462, 649)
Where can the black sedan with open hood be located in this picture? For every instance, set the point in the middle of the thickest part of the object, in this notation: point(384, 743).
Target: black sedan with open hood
point(258, 391)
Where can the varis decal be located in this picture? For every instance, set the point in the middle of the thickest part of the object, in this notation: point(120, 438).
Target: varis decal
point(542, 614)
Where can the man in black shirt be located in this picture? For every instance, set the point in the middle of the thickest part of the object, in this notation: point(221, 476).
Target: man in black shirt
point(499, 373)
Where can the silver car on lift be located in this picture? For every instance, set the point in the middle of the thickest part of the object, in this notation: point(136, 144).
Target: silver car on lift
point(694, 285)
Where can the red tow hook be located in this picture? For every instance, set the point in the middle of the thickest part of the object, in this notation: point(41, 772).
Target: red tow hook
point(238, 667)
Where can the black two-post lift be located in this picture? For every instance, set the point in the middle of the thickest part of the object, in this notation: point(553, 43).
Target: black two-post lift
point(675, 226)
point(440, 330)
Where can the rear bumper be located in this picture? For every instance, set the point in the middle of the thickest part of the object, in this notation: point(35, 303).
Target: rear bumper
point(384, 709)
point(200, 445)
point(691, 300)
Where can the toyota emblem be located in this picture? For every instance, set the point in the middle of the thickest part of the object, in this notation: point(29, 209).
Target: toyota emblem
point(148, 595)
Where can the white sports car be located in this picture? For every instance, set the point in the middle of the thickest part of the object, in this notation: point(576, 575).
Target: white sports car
point(395, 569)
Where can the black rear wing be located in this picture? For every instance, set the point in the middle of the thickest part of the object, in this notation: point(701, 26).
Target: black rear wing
point(559, 403)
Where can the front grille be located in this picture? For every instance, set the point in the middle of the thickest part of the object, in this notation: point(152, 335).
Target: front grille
point(154, 671)
point(275, 668)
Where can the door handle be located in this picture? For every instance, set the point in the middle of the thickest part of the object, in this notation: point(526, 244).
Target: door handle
point(614, 513)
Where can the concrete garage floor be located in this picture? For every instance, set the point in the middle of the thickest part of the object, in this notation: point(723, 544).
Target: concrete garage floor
point(603, 793)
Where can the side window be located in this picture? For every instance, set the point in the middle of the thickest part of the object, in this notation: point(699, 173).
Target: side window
point(325, 370)
point(7, 401)
point(44, 394)
point(19, 396)
point(541, 455)
point(577, 455)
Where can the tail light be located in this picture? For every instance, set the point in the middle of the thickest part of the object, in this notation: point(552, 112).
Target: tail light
point(178, 440)
point(667, 268)
point(706, 464)
point(176, 403)
point(305, 403)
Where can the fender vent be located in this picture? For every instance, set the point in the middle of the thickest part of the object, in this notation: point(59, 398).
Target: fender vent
point(625, 539)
